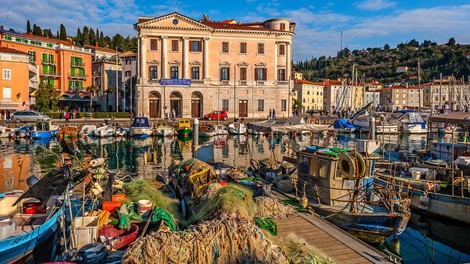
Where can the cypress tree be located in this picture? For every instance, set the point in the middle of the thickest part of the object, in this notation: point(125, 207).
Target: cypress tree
point(86, 36)
point(28, 28)
point(79, 38)
point(101, 41)
point(63, 33)
point(92, 37)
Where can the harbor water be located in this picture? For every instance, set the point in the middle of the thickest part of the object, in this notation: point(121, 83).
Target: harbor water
point(425, 240)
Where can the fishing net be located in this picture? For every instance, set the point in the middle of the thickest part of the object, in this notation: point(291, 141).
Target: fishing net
point(223, 240)
point(151, 190)
point(271, 207)
point(298, 251)
point(194, 176)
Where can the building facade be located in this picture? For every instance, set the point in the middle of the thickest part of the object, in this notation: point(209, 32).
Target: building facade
point(309, 94)
point(129, 75)
point(447, 93)
point(372, 94)
point(195, 67)
point(18, 77)
point(60, 63)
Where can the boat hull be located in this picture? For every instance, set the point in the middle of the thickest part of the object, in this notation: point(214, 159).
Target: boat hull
point(16, 247)
point(184, 131)
point(451, 207)
point(37, 135)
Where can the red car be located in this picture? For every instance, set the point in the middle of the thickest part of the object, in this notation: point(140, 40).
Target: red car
point(216, 115)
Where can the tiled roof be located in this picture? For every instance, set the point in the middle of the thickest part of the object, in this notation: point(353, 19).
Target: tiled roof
point(309, 82)
point(100, 48)
point(10, 50)
point(218, 25)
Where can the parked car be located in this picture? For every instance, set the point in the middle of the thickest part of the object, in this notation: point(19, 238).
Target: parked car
point(216, 115)
point(28, 116)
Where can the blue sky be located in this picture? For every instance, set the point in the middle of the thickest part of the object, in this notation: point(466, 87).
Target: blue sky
point(364, 23)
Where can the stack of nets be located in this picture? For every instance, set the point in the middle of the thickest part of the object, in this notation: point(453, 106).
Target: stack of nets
point(194, 176)
point(271, 207)
point(223, 240)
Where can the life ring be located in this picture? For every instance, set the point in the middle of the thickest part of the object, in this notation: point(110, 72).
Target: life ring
point(448, 128)
point(361, 165)
point(347, 166)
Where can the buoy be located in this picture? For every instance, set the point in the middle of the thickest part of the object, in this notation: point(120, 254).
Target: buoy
point(304, 201)
point(223, 184)
point(145, 158)
point(97, 162)
point(448, 128)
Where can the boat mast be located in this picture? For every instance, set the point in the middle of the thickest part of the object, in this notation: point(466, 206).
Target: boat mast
point(419, 88)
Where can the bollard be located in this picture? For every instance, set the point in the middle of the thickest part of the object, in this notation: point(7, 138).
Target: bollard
point(195, 132)
point(372, 128)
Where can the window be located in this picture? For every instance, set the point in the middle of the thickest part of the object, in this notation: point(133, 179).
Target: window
point(283, 105)
point(174, 72)
point(152, 72)
point(281, 75)
point(283, 26)
point(224, 47)
point(225, 105)
point(195, 73)
point(260, 74)
point(243, 74)
point(153, 44)
point(243, 47)
point(261, 105)
point(282, 50)
point(128, 73)
point(32, 58)
point(224, 73)
point(6, 92)
point(6, 74)
point(261, 48)
point(174, 45)
point(195, 46)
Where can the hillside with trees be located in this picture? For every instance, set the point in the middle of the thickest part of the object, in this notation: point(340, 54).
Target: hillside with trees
point(87, 36)
point(381, 63)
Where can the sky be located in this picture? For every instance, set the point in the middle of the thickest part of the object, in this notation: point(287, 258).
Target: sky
point(322, 27)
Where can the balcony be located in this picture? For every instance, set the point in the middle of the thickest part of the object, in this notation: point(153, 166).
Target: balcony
point(48, 62)
point(33, 85)
point(49, 74)
point(77, 76)
point(224, 82)
point(243, 83)
point(33, 70)
point(77, 64)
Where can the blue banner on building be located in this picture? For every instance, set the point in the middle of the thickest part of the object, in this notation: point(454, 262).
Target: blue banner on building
point(175, 81)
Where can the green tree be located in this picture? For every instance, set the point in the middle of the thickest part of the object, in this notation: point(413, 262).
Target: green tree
point(28, 27)
point(47, 97)
point(451, 42)
point(63, 32)
point(101, 41)
point(86, 36)
point(92, 89)
point(79, 38)
point(37, 30)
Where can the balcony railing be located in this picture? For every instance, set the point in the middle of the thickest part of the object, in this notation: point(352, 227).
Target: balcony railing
point(49, 73)
point(48, 62)
point(77, 64)
point(79, 76)
point(242, 83)
point(224, 82)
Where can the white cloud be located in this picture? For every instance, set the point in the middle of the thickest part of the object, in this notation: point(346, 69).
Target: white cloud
point(375, 5)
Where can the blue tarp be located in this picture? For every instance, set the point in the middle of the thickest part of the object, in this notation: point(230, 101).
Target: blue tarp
point(343, 123)
point(141, 122)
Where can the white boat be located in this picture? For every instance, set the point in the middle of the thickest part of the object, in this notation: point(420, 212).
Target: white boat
point(237, 128)
point(6, 132)
point(141, 128)
point(382, 125)
point(220, 130)
point(412, 122)
point(87, 131)
point(212, 130)
point(104, 131)
point(121, 132)
point(165, 131)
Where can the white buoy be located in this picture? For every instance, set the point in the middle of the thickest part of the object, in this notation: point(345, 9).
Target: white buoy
point(97, 162)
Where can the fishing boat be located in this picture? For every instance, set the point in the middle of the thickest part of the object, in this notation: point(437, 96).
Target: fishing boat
point(140, 128)
point(118, 238)
point(337, 184)
point(207, 131)
point(87, 130)
point(165, 131)
point(44, 130)
point(237, 128)
point(23, 132)
point(382, 124)
point(104, 131)
point(344, 126)
point(29, 218)
point(68, 132)
point(184, 127)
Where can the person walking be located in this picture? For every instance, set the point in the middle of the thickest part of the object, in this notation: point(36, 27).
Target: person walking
point(66, 116)
point(270, 114)
point(274, 114)
point(173, 113)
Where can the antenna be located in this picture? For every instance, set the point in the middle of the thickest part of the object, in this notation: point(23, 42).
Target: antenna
point(341, 46)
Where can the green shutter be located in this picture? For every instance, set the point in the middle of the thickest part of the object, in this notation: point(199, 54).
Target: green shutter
point(44, 57)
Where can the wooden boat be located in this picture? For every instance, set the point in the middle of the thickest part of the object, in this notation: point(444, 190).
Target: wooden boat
point(68, 132)
point(207, 131)
point(184, 127)
point(237, 128)
point(119, 238)
point(339, 185)
point(44, 130)
point(140, 128)
point(104, 131)
point(6, 132)
point(165, 131)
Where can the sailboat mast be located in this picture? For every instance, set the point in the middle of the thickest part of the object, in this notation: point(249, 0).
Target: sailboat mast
point(419, 88)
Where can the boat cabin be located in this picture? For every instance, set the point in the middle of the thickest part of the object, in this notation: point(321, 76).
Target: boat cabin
point(141, 122)
point(182, 123)
point(331, 174)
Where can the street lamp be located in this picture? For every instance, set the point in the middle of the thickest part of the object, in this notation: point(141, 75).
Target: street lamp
point(117, 84)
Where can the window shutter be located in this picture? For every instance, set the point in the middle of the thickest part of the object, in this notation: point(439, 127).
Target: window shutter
point(264, 74)
point(256, 74)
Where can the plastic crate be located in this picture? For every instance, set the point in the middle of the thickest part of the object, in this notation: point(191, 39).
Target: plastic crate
point(85, 230)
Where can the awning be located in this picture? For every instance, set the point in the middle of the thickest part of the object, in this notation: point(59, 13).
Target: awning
point(458, 118)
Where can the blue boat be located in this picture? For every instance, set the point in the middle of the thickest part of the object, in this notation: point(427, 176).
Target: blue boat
point(140, 128)
point(23, 132)
point(44, 130)
point(343, 125)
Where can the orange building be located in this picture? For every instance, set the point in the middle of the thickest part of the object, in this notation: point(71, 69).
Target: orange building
point(17, 77)
point(66, 66)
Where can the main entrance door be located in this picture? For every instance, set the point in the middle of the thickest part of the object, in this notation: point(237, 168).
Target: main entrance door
point(196, 104)
point(243, 108)
point(154, 105)
point(175, 104)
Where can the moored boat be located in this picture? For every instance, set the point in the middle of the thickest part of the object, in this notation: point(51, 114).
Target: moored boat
point(68, 132)
point(44, 130)
point(140, 128)
point(184, 127)
point(165, 131)
point(237, 128)
point(87, 131)
point(104, 131)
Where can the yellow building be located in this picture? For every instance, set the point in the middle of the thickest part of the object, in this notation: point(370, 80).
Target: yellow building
point(309, 94)
point(17, 77)
point(197, 66)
